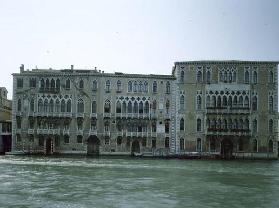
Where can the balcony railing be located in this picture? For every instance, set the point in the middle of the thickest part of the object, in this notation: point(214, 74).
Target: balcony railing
point(93, 115)
point(219, 131)
point(227, 110)
point(93, 132)
point(49, 90)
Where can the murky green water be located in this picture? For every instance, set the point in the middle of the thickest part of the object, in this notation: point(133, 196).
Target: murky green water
point(111, 182)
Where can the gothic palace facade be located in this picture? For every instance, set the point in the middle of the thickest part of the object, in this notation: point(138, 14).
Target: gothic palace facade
point(207, 108)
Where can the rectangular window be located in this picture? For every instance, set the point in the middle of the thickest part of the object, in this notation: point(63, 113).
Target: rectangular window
point(19, 83)
point(153, 143)
point(167, 142)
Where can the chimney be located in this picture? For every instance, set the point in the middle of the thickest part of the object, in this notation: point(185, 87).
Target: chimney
point(72, 67)
point(21, 68)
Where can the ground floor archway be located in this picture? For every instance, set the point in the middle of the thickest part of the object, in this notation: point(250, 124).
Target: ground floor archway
point(226, 148)
point(48, 146)
point(93, 145)
point(135, 147)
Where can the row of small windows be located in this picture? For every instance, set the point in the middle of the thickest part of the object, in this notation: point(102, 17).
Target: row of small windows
point(228, 77)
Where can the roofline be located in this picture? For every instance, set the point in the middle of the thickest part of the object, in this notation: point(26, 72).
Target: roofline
point(225, 62)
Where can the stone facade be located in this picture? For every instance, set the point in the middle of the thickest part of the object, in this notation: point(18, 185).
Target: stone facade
point(5, 121)
point(209, 108)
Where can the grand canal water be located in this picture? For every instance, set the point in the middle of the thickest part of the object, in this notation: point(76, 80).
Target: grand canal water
point(124, 182)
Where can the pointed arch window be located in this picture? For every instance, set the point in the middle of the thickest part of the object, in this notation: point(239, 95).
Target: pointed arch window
point(240, 101)
point(69, 106)
point(255, 145)
point(130, 86)
point(181, 124)
point(42, 84)
point(58, 84)
point(52, 84)
point(63, 106)
point(135, 86)
point(213, 101)
point(235, 101)
point(68, 84)
point(124, 107)
point(254, 103)
point(51, 106)
point(255, 125)
point(246, 102)
point(94, 106)
point(270, 126)
point(199, 124)
point(80, 106)
point(118, 86)
point(107, 106)
point(208, 101)
point(181, 144)
point(225, 103)
point(154, 87)
point(19, 105)
point(246, 77)
point(130, 108)
point(168, 87)
point(140, 87)
point(208, 77)
point(234, 76)
point(270, 146)
point(219, 102)
point(32, 105)
point(141, 107)
point(199, 77)
point(255, 77)
point(47, 84)
point(270, 103)
point(145, 86)
point(107, 86)
point(136, 107)
point(199, 102)
point(46, 105)
point(182, 102)
point(146, 107)
point(81, 84)
point(271, 77)
point(199, 146)
point(40, 105)
point(182, 76)
point(57, 106)
point(118, 107)
point(94, 85)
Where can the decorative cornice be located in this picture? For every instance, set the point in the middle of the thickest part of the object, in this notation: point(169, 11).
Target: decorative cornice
point(229, 62)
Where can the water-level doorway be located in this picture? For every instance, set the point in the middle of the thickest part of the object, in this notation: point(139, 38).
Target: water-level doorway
point(226, 149)
point(93, 145)
point(135, 148)
point(48, 146)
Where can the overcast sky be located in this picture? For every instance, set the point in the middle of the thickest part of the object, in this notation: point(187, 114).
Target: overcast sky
point(136, 36)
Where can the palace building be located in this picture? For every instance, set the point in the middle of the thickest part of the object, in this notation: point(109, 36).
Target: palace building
point(204, 108)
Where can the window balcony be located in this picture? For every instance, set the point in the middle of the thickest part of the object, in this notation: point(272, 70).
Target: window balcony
point(228, 110)
point(93, 131)
point(107, 115)
point(30, 131)
point(66, 131)
point(228, 132)
point(49, 90)
point(65, 114)
point(93, 115)
point(79, 115)
point(54, 131)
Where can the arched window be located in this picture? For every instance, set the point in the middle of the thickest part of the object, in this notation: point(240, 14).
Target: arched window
point(254, 103)
point(51, 106)
point(219, 124)
point(230, 77)
point(255, 145)
point(32, 105)
point(154, 87)
point(107, 86)
point(199, 77)
point(182, 145)
point(140, 87)
point(94, 107)
point(81, 84)
point(154, 105)
point(19, 105)
point(225, 126)
point(136, 107)
point(235, 101)
point(240, 126)
point(225, 76)
point(94, 85)
point(168, 87)
point(255, 125)
point(246, 102)
point(213, 101)
point(219, 101)
point(57, 106)
point(270, 146)
point(181, 124)
point(225, 102)
point(63, 106)
point(240, 101)
point(182, 76)
point(118, 85)
point(40, 105)
point(199, 124)
point(145, 86)
point(58, 84)
point(270, 126)
point(208, 77)
point(146, 107)
point(135, 86)
point(68, 84)
point(230, 102)
point(124, 107)
point(141, 107)
point(47, 84)
point(234, 76)
point(270, 103)
point(271, 79)
point(52, 84)
point(45, 106)
point(208, 101)
point(130, 108)
point(221, 77)
point(182, 102)
point(107, 106)
point(130, 86)
point(246, 77)
point(80, 106)
point(118, 107)
point(235, 124)
point(42, 84)
point(199, 102)
point(69, 106)
point(246, 124)
point(199, 146)
point(255, 77)
point(230, 124)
